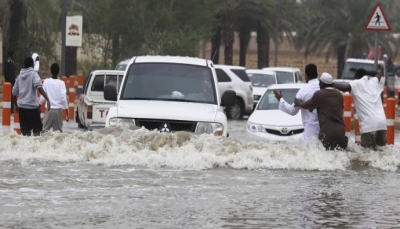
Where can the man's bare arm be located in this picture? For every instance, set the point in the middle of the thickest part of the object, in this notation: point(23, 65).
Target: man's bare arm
point(342, 87)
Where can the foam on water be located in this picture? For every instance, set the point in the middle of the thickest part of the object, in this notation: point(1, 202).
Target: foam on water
point(140, 147)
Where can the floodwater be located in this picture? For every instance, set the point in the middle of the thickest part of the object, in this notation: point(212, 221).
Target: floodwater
point(123, 178)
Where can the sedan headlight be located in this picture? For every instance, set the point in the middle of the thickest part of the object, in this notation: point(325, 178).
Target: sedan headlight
point(252, 127)
point(209, 128)
point(121, 122)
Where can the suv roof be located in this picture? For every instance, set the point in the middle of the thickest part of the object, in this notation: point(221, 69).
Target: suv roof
point(260, 71)
point(284, 69)
point(363, 61)
point(171, 59)
point(229, 66)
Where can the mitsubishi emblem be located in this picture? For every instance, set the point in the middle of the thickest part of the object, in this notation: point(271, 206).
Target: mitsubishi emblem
point(165, 128)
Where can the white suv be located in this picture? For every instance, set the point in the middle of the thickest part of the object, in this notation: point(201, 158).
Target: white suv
point(235, 78)
point(170, 94)
point(286, 74)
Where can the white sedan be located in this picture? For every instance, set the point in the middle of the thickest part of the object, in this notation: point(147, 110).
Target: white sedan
point(268, 122)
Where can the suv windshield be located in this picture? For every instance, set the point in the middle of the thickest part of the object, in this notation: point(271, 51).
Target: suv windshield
point(261, 80)
point(171, 82)
point(284, 77)
point(269, 102)
point(347, 75)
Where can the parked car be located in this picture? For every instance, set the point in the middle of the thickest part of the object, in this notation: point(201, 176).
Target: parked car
point(286, 74)
point(260, 80)
point(268, 122)
point(235, 78)
point(121, 66)
point(348, 76)
point(170, 94)
point(92, 108)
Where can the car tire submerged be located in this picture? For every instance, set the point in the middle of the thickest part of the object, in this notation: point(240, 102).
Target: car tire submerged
point(235, 112)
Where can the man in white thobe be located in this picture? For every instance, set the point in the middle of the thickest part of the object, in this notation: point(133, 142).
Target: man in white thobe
point(309, 118)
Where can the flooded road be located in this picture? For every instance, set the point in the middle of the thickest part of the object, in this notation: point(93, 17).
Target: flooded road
point(122, 178)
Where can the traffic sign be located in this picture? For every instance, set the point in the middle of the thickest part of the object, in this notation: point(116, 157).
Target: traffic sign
point(377, 20)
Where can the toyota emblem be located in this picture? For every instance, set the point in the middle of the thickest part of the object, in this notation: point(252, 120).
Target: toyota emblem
point(284, 130)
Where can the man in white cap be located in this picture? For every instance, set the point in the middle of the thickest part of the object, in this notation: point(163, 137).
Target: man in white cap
point(329, 105)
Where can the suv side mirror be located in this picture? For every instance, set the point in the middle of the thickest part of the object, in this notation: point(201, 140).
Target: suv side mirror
point(110, 92)
point(228, 99)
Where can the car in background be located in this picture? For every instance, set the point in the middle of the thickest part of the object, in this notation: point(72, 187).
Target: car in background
point(260, 80)
point(121, 66)
point(170, 94)
point(347, 76)
point(92, 108)
point(268, 122)
point(235, 78)
point(286, 74)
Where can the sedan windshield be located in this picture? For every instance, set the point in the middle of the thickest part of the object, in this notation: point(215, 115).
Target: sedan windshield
point(261, 80)
point(171, 82)
point(269, 102)
point(284, 77)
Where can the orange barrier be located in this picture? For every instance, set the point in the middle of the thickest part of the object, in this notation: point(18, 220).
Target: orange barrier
point(80, 84)
point(17, 127)
point(6, 120)
point(347, 113)
point(64, 114)
point(390, 119)
point(71, 105)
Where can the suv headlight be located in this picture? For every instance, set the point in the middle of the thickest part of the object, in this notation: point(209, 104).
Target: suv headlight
point(209, 128)
point(121, 122)
point(252, 127)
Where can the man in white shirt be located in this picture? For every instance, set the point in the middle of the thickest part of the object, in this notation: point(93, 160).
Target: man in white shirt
point(309, 118)
point(368, 104)
point(57, 93)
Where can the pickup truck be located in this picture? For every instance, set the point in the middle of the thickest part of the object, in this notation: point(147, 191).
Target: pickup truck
point(92, 108)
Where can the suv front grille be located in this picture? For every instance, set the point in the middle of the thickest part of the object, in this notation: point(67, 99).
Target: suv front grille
point(175, 125)
point(279, 133)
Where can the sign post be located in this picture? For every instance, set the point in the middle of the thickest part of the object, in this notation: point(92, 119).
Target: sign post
point(377, 22)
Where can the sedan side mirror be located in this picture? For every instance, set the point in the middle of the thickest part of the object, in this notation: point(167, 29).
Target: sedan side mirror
point(110, 92)
point(228, 98)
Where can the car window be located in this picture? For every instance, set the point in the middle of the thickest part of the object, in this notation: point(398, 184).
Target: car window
point(87, 83)
point(169, 82)
point(241, 73)
point(98, 83)
point(261, 80)
point(347, 75)
point(121, 67)
point(269, 102)
point(222, 76)
point(114, 80)
point(284, 77)
point(300, 76)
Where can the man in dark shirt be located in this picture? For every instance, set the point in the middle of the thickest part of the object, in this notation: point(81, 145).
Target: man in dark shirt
point(9, 74)
point(329, 104)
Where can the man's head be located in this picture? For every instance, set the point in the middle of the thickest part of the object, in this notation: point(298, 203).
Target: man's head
point(311, 72)
point(360, 73)
point(55, 69)
point(326, 80)
point(28, 63)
